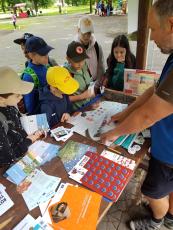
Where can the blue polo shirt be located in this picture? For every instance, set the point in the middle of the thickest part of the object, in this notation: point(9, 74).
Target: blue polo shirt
point(162, 131)
point(31, 99)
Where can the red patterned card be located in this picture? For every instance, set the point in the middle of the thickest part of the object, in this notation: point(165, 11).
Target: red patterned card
point(104, 176)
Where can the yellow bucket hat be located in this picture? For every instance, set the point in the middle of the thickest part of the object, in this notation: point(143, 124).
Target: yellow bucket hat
point(60, 78)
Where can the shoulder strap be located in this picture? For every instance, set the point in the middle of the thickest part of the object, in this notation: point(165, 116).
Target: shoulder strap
point(4, 122)
point(96, 46)
point(31, 72)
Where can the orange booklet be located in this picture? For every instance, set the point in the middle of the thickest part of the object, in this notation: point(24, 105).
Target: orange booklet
point(78, 209)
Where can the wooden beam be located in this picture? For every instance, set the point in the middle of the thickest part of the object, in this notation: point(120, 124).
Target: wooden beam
point(143, 33)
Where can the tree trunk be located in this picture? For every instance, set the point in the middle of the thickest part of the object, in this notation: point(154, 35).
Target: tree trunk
point(35, 3)
point(91, 10)
point(3, 5)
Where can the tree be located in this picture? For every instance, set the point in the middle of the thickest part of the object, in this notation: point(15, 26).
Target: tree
point(3, 5)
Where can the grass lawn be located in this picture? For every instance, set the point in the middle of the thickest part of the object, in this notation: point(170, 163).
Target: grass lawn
point(70, 10)
point(6, 24)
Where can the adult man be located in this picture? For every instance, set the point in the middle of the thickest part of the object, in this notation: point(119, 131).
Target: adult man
point(93, 49)
point(155, 109)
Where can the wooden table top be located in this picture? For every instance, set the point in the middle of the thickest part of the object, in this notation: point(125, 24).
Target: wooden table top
point(55, 167)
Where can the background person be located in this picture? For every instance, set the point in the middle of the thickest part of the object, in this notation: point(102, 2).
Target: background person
point(14, 20)
point(120, 57)
point(93, 49)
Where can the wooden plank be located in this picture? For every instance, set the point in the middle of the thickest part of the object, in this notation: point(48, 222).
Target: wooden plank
point(143, 33)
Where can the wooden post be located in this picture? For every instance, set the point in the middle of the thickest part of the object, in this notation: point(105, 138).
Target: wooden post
point(143, 33)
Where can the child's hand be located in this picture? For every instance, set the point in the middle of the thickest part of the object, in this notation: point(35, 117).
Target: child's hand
point(88, 94)
point(37, 135)
point(65, 117)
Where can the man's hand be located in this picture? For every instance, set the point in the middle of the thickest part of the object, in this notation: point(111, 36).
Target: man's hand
point(65, 117)
point(118, 117)
point(108, 137)
point(37, 135)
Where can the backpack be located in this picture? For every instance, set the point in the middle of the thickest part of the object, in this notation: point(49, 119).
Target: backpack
point(31, 72)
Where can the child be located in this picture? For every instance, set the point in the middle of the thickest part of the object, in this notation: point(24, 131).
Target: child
point(36, 70)
point(121, 57)
point(14, 19)
point(53, 99)
point(14, 141)
point(22, 40)
point(76, 65)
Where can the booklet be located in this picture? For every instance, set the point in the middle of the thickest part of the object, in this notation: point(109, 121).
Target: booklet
point(72, 152)
point(29, 223)
point(5, 201)
point(34, 122)
point(37, 188)
point(137, 81)
point(39, 153)
point(93, 123)
point(78, 208)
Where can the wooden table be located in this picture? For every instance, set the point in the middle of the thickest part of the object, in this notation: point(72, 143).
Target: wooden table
point(14, 215)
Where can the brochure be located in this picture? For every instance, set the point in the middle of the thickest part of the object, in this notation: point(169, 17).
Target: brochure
point(34, 122)
point(72, 152)
point(137, 81)
point(5, 201)
point(37, 188)
point(29, 223)
point(93, 123)
point(77, 208)
point(38, 153)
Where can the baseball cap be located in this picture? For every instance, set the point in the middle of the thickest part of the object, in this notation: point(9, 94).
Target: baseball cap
point(23, 39)
point(10, 82)
point(37, 45)
point(85, 25)
point(76, 51)
point(60, 78)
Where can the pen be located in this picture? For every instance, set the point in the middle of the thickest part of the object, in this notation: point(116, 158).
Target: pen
point(90, 102)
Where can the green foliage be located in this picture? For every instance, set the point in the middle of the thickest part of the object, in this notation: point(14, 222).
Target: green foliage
point(45, 3)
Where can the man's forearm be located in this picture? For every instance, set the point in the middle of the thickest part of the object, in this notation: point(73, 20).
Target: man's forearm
point(134, 123)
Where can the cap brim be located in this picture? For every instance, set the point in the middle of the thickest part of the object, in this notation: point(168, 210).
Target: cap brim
point(79, 58)
point(20, 41)
point(44, 51)
point(87, 30)
point(70, 87)
point(23, 87)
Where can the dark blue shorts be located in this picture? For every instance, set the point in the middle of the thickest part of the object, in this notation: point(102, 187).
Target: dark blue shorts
point(159, 180)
